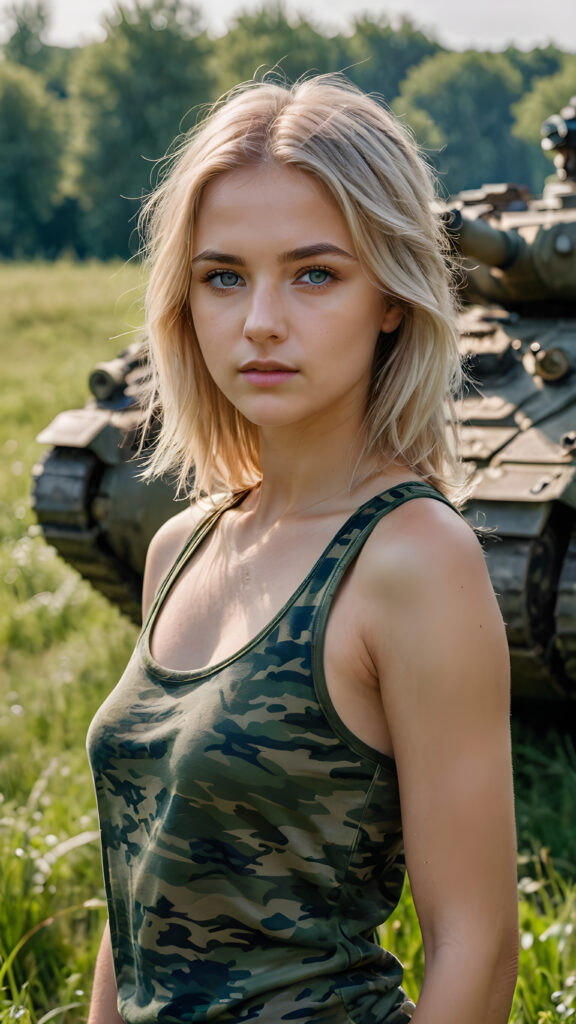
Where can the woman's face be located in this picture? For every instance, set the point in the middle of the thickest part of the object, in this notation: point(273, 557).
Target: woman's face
point(286, 319)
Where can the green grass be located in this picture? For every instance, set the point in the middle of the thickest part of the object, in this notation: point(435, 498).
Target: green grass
point(62, 648)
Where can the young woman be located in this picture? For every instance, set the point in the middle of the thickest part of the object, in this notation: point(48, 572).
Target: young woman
point(320, 688)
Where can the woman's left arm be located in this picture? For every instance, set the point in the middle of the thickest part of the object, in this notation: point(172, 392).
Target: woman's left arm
point(437, 641)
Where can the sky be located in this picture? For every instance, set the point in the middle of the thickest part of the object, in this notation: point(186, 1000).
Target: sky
point(481, 24)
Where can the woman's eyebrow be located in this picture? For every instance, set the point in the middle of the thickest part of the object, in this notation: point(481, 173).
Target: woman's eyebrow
point(213, 256)
point(292, 256)
point(318, 249)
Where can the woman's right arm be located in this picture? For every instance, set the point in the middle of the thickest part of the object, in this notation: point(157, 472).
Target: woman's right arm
point(103, 1007)
point(163, 550)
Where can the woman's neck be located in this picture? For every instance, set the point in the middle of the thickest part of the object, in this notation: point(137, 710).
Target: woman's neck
point(310, 472)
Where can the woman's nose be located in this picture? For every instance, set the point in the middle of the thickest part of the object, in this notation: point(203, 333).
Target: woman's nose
point(265, 318)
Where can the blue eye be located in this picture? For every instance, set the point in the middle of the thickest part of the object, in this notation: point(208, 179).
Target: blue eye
point(224, 279)
point(317, 276)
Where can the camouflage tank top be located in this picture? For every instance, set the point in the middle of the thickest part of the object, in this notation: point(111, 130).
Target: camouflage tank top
point(251, 843)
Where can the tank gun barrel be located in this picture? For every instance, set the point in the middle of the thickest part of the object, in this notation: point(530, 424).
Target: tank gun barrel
point(109, 377)
point(479, 240)
point(513, 268)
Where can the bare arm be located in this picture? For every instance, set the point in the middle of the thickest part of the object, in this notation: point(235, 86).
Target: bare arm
point(163, 550)
point(438, 645)
point(103, 1007)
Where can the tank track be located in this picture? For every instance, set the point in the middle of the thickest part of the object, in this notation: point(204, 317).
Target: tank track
point(66, 482)
point(540, 626)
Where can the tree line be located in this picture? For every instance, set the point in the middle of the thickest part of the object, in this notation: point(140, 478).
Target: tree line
point(82, 129)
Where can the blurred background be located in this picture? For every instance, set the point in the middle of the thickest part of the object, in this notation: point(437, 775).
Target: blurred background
point(92, 93)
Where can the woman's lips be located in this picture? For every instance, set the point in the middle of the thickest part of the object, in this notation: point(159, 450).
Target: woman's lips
point(267, 374)
point(265, 378)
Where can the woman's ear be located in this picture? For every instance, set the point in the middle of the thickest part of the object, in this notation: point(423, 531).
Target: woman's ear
point(392, 317)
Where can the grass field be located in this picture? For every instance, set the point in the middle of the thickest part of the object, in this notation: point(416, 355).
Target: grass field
point(63, 648)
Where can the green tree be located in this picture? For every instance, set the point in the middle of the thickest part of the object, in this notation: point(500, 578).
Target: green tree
point(464, 102)
point(268, 39)
point(378, 55)
point(130, 94)
point(547, 97)
point(29, 22)
point(532, 64)
point(30, 169)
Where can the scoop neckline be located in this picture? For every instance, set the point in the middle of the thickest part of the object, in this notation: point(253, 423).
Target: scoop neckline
point(190, 675)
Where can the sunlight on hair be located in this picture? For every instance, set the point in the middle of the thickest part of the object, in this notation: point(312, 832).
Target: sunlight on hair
point(369, 163)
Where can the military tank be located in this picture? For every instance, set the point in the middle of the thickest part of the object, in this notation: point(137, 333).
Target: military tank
point(87, 491)
point(517, 417)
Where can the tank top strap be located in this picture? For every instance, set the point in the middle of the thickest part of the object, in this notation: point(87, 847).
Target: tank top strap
point(202, 528)
point(354, 533)
point(338, 559)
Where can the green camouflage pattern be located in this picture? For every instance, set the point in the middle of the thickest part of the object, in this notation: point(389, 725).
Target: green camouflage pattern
point(251, 844)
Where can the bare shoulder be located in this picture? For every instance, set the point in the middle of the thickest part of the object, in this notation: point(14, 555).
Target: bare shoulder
point(436, 641)
point(422, 543)
point(429, 607)
point(165, 547)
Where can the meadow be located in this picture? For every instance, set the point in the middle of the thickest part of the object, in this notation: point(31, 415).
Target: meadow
point(63, 647)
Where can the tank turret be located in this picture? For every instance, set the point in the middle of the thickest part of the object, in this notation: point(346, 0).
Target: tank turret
point(517, 421)
point(521, 251)
point(518, 413)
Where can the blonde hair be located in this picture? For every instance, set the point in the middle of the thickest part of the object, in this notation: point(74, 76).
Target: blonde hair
point(350, 143)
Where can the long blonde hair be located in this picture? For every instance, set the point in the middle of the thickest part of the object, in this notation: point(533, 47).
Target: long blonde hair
point(350, 143)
